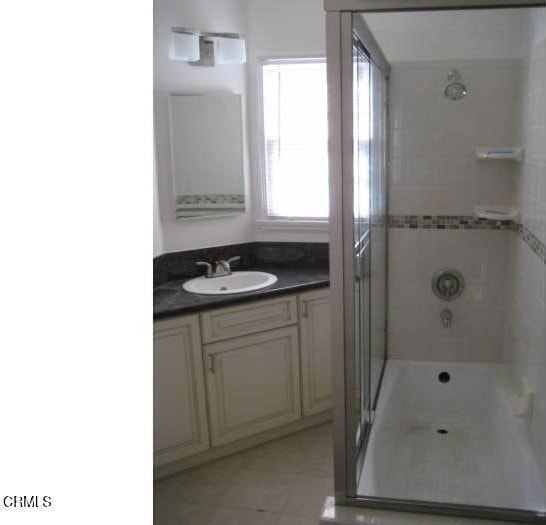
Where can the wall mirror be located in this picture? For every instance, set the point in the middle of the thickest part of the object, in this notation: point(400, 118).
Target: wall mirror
point(207, 151)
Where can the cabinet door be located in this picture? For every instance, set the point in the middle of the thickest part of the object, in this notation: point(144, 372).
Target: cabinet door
point(252, 384)
point(316, 352)
point(180, 420)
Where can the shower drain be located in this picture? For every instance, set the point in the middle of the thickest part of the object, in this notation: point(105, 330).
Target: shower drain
point(444, 377)
point(442, 431)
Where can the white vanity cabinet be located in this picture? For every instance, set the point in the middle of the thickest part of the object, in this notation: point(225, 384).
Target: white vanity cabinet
point(315, 348)
point(180, 416)
point(236, 376)
point(252, 367)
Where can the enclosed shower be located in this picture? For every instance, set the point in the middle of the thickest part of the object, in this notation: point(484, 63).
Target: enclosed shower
point(437, 252)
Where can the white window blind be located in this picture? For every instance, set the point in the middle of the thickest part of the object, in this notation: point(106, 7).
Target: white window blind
point(296, 139)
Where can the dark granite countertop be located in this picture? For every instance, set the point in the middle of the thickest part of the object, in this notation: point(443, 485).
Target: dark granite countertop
point(171, 300)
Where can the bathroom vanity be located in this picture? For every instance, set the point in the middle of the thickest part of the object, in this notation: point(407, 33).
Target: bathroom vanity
point(233, 371)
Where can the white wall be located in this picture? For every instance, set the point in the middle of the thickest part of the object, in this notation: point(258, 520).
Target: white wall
point(172, 76)
point(282, 28)
point(286, 28)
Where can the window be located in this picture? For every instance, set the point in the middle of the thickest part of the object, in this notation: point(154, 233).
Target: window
point(295, 138)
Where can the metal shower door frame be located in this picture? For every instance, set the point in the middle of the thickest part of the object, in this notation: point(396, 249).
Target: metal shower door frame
point(339, 35)
point(340, 28)
point(370, 6)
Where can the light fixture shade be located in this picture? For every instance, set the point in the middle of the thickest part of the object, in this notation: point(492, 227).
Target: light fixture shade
point(230, 50)
point(184, 46)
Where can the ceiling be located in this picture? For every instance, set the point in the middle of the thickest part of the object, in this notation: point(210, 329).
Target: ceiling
point(452, 35)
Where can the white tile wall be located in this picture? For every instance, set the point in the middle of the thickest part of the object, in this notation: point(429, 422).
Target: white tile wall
point(433, 140)
point(415, 328)
point(525, 342)
point(502, 315)
point(530, 187)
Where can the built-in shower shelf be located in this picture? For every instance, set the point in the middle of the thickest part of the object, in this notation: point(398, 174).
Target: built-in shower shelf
point(497, 213)
point(500, 154)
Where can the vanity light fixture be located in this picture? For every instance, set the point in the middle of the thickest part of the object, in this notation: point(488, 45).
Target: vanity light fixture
point(184, 46)
point(201, 48)
point(230, 50)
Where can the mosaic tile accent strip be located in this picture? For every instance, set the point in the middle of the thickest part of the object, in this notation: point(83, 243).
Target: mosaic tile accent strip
point(447, 222)
point(468, 222)
point(219, 199)
point(532, 241)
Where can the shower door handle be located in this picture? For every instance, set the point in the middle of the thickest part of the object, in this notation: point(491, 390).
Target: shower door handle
point(360, 266)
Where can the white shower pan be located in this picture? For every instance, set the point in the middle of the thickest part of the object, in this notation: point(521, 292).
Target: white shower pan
point(455, 441)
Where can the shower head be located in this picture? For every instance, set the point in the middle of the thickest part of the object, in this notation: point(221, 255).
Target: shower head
point(455, 90)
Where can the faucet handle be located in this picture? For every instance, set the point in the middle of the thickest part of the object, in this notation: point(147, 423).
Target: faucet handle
point(231, 260)
point(207, 265)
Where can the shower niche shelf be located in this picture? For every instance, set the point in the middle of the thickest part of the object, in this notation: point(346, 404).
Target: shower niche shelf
point(496, 213)
point(515, 154)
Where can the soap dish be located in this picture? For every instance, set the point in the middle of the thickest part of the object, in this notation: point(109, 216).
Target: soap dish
point(500, 154)
point(496, 213)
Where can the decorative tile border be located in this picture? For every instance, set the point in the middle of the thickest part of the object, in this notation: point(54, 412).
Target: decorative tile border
point(218, 199)
point(447, 222)
point(531, 240)
point(468, 222)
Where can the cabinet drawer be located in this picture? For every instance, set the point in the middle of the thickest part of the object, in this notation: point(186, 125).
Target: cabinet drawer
point(246, 319)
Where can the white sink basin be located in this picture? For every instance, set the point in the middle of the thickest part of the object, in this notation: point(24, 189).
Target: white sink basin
point(237, 282)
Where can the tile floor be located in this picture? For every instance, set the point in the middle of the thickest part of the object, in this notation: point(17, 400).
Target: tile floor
point(283, 482)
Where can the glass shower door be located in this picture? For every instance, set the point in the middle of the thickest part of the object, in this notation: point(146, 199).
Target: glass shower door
point(378, 228)
point(369, 239)
point(362, 246)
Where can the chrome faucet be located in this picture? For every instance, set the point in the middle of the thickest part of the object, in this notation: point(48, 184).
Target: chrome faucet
point(221, 268)
point(208, 267)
